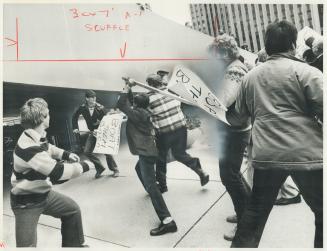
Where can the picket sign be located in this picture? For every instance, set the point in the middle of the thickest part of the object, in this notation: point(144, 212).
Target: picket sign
point(187, 84)
point(190, 89)
point(108, 134)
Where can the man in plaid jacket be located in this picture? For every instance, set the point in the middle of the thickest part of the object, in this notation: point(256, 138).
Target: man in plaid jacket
point(169, 122)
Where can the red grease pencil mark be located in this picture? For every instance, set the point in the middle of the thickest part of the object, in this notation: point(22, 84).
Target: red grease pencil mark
point(122, 52)
point(109, 60)
point(13, 42)
point(17, 45)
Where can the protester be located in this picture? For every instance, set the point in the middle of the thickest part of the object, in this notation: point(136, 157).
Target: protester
point(35, 170)
point(288, 193)
point(93, 113)
point(308, 56)
point(317, 49)
point(282, 97)
point(141, 142)
point(233, 139)
point(169, 122)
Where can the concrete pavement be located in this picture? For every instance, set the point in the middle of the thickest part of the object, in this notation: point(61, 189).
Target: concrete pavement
point(117, 212)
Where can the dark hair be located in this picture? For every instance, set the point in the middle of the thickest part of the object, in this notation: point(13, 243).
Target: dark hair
point(90, 94)
point(141, 100)
point(280, 37)
point(308, 56)
point(309, 41)
point(154, 80)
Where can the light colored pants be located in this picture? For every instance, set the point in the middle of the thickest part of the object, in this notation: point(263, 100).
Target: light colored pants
point(56, 205)
point(288, 190)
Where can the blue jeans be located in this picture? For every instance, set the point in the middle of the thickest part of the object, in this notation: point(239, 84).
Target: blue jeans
point(146, 173)
point(57, 205)
point(230, 160)
point(266, 184)
point(88, 151)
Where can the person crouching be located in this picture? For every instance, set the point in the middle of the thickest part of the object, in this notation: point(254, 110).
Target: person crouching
point(35, 170)
point(141, 142)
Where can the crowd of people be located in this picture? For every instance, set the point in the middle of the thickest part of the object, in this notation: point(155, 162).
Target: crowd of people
point(275, 116)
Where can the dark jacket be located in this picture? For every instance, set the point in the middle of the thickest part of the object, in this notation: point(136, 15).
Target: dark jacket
point(282, 96)
point(318, 63)
point(139, 128)
point(91, 121)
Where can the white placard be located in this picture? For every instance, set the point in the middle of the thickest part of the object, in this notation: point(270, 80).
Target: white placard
point(108, 134)
point(189, 86)
point(82, 126)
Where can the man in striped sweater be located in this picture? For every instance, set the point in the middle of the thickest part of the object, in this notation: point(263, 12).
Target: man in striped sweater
point(35, 170)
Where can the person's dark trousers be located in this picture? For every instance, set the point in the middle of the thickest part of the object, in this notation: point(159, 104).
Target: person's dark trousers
point(266, 184)
point(146, 173)
point(176, 141)
point(88, 151)
point(111, 162)
point(56, 205)
point(230, 162)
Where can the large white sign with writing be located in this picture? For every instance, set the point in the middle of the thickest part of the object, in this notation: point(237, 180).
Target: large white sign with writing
point(188, 85)
point(108, 134)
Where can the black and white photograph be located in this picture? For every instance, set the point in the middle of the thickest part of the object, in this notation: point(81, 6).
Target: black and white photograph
point(162, 124)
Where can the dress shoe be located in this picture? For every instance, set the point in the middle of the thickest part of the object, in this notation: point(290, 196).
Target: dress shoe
point(285, 201)
point(164, 229)
point(98, 174)
point(204, 178)
point(163, 189)
point(230, 236)
point(232, 219)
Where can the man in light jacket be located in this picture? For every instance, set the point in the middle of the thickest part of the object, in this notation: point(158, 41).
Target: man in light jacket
point(282, 97)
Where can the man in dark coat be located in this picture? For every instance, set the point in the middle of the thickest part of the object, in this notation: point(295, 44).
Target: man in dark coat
point(141, 142)
point(93, 113)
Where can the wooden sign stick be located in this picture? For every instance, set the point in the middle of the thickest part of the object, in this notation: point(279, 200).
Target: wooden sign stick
point(150, 88)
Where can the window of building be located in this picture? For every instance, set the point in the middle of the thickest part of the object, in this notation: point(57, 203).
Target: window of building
point(258, 40)
point(321, 11)
point(260, 8)
point(275, 11)
point(283, 12)
point(242, 30)
point(210, 32)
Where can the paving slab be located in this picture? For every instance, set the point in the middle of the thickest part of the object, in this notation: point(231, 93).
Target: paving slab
point(47, 236)
point(118, 210)
point(289, 226)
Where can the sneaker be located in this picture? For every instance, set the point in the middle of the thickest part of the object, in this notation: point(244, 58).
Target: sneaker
point(98, 174)
point(232, 219)
point(115, 174)
point(170, 227)
point(204, 179)
point(230, 236)
point(163, 189)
